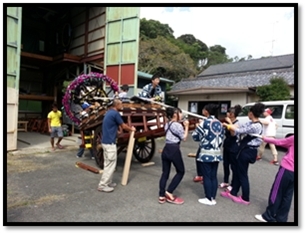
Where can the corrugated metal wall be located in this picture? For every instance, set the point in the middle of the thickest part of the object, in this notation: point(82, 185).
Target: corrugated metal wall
point(13, 65)
point(122, 44)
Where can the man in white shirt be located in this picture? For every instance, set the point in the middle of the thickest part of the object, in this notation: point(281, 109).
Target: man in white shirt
point(269, 130)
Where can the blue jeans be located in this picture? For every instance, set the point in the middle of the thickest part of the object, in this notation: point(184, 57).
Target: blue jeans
point(198, 164)
point(209, 173)
point(171, 154)
point(240, 172)
point(229, 159)
point(81, 152)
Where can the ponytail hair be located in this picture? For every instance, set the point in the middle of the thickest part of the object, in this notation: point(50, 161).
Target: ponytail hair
point(257, 109)
point(235, 110)
point(211, 109)
point(171, 111)
point(238, 109)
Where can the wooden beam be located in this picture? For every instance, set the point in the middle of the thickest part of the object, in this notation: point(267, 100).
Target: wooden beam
point(128, 159)
point(36, 97)
point(36, 56)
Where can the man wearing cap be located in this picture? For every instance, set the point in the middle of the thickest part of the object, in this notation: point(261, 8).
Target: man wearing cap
point(269, 130)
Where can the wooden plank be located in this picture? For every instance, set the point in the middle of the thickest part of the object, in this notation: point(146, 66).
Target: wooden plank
point(148, 164)
point(36, 97)
point(87, 167)
point(128, 159)
point(192, 155)
point(36, 56)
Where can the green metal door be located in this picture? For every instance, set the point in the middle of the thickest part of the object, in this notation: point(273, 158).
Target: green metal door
point(122, 44)
point(13, 65)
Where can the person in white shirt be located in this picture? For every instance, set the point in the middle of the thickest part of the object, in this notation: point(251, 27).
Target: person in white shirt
point(124, 92)
point(269, 130)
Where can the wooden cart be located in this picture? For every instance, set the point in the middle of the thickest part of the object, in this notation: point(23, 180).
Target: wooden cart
point(148, 119)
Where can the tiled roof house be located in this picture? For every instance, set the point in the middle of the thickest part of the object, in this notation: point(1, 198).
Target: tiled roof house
point(233, 83)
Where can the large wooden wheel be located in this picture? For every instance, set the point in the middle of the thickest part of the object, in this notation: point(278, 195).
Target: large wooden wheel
point(144, 149)
point(97, 148)
point(87, 89)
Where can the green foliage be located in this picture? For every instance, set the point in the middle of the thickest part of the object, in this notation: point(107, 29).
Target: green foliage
point(215, 57)
point(219, 49)
point(277, 90)
point(168, 98)
point(160, 55)
point(150, 29)
point(176, 58)
point(65, 85)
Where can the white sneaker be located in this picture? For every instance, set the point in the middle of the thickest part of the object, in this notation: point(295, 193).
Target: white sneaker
point(213, 202)
point(205, 201)
point(78, 156)
point(106, 189)
point(260, 218)
point(112, 185)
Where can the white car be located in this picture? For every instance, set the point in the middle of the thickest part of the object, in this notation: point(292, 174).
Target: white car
point(283, 114)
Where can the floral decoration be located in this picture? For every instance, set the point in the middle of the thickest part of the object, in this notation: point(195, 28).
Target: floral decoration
point(73, 89)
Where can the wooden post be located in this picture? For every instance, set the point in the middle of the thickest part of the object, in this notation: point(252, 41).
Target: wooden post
point(128, 159)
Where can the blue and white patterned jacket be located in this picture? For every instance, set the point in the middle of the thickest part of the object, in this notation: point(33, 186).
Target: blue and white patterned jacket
point(210, 134)
point(145, 93)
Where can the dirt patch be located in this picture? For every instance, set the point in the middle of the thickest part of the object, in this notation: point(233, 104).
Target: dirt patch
point(20, 164)
point(14, 201)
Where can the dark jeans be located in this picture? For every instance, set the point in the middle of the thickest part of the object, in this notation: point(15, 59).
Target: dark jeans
point(198, 164)
point(209, 172)
point(240, 172)
point(171, 154)
point(229, 158)
point(280, 197)
point(81, 152)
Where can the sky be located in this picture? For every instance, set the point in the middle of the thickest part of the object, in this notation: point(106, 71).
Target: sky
point(243, 31)
point(234, 47)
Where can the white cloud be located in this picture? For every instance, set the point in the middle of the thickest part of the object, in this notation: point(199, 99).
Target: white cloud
point(241, 30)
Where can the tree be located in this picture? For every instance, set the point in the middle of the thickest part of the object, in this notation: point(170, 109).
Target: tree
point(150, 29)
point(218, 48)
point(160, 55)
point(176, 58)
point(277, 90)
point(195, 48)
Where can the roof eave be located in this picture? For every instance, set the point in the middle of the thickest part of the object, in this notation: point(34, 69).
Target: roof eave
point(201, 90)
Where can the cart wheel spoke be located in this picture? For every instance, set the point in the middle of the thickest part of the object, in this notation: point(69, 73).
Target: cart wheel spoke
point(97, 148)
point(144, 151)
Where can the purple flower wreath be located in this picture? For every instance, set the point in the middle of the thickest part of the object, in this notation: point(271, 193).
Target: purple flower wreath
point(83, 79)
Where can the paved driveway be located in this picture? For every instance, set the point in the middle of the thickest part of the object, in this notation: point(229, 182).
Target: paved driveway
point(49, 187)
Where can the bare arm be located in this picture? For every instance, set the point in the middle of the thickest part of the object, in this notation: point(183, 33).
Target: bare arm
point(49, 123)
point(186, 130)
point(264, 121)
point(127, 128)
